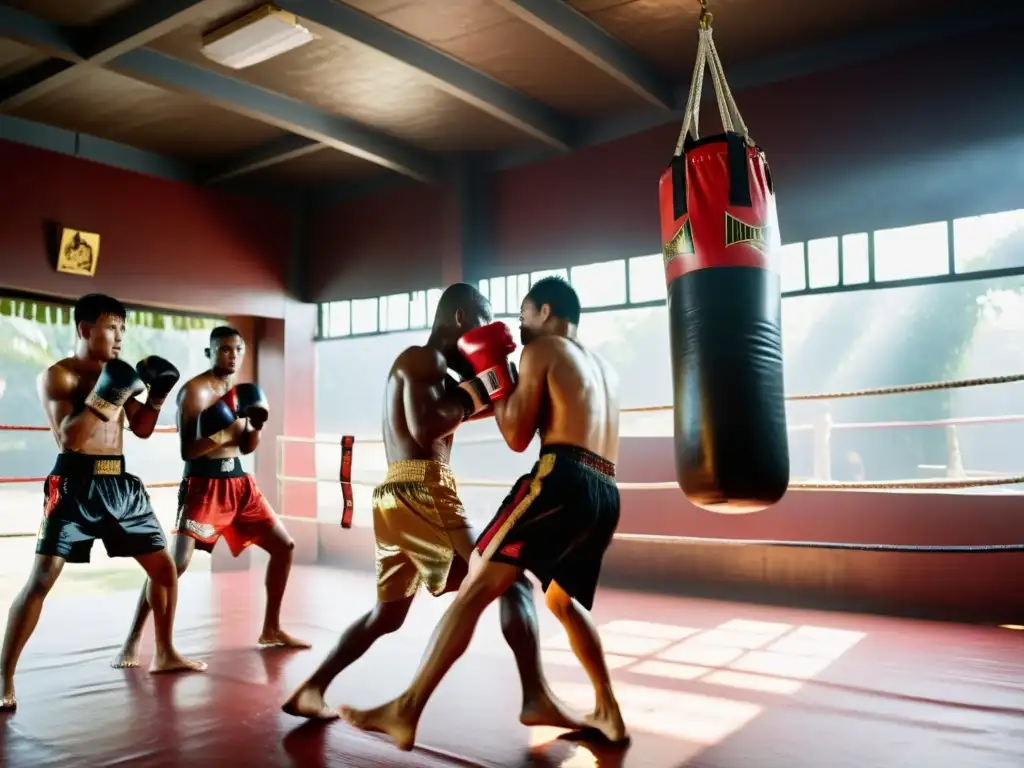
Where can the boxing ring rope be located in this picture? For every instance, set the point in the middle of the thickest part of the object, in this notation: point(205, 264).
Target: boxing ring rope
point(893, 485)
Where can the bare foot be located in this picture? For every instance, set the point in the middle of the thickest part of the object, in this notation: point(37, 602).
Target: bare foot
point(546, 710)
point(128, 657)
point(392, 719)
point(609, 723)
point(174, 662)
point(309, 702)
point(278, 638)
point(7, 701)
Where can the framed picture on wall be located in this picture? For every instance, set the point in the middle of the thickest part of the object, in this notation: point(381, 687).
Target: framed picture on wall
point(79, 252)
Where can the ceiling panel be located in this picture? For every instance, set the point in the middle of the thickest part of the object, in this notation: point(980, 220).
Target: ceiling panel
point(349, 79)
point(114, 107)
point(665, 31)
point(489, 38)
point(15, 58)
point(73, 12)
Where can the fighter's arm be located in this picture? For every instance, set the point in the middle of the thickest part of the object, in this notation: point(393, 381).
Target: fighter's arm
point(249, 440)
point(192, 399)
point(431, 412)
point(140, 419)
point(70, 422)
point(518, 415)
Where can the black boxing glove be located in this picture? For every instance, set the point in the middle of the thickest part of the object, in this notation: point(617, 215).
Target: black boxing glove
point(251, 404)
point(117, 383)
point(160, 376)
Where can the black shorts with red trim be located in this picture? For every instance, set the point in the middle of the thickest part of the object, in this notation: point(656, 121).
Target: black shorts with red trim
point(91, 497)
point(557, 521)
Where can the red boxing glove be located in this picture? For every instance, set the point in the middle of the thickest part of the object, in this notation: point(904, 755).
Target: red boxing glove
point(487, 349)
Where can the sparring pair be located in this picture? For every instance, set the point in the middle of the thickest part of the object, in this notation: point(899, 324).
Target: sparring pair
point(88, 399)
point(218, 420)
point(557, 521)
point(423, 536)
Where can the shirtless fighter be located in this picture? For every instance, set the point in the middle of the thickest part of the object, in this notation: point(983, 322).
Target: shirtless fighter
point(88, 398)
point(423, 535)
point(556, 522)
point(217, 420)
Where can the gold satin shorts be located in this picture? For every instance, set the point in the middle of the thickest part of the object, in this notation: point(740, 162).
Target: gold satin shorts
point(420, 526)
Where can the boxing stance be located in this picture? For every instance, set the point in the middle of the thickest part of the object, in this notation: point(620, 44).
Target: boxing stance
point(88, 398)
point(217, 420)
point(422, 533)
point(556, 522)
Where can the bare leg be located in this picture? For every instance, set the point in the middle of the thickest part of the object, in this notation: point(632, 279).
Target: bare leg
point(400, 717)
point(22, 620)
point(586, 644)
point(128, 656)
point(519, 626)
point(162, 595)
point(385, 618)
point(281, 548)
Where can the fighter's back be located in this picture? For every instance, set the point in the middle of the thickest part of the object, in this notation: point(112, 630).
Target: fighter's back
point(416, 379)
point(582, 398)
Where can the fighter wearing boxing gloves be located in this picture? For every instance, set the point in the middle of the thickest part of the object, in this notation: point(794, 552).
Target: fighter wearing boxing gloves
point(218, 420)
point(556, 522)
point(423, 535)
point(88, 399)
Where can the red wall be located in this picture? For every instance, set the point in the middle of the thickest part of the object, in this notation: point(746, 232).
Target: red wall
point(378, 245)
point(924, 136)
point(164, 243)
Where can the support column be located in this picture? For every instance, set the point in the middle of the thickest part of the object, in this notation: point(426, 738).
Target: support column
point(283, 356)
point(467, 246)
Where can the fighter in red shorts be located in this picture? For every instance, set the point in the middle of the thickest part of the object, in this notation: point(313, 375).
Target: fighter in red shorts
point(218, 420)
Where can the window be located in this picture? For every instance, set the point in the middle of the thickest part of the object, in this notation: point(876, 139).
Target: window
point(418, 310)
point(823, 262)
point(600, 285)
point(791, 258)
point(516, 288)
point(498, 295)
point(647, 279)
point(337, 319)
point(397, 308)
point(856, 259)
point(364, 316)
point(485, 288)
point(989, 242)
point(535, 276)
point(909, 252)
point(433, 296)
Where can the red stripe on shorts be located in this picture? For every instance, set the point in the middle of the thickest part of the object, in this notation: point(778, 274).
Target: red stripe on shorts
point(504, 512)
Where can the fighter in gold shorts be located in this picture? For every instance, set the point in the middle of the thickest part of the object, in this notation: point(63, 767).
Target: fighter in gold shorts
point(423, 536)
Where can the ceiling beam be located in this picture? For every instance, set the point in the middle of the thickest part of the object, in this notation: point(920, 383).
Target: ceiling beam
point(92, 148)
point(281, 111)
point(560, 21)
point(448, 73)
point(800, 61)
point(280, 150)
point(87, 48)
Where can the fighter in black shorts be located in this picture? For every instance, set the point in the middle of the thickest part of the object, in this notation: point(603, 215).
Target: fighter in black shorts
point(557, 521)
point(88, 398)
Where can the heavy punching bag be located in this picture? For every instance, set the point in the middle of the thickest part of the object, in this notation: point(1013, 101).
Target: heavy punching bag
point(721, 244)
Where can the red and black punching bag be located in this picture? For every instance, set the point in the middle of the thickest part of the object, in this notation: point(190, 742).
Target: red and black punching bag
point(721, 243)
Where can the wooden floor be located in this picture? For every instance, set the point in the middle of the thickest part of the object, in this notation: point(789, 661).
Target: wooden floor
point(702, 683)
